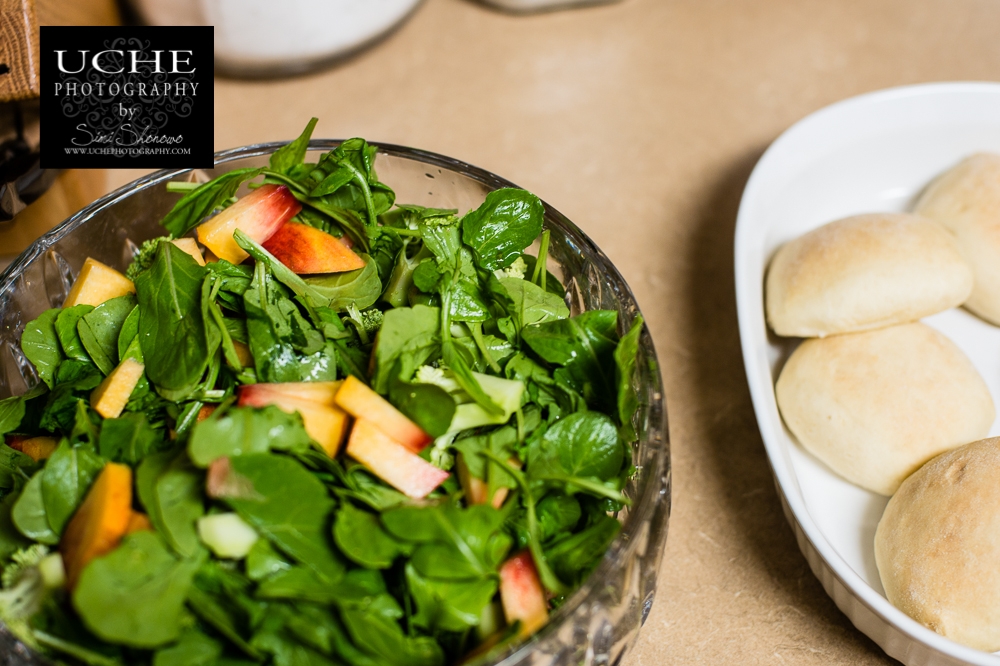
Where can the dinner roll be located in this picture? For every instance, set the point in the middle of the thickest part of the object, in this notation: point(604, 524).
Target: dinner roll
point(877, 405)
point(937, 546)
point(966, 200)
point(865, 272)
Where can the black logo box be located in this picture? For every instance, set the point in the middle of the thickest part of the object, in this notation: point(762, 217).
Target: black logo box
point(126, 97)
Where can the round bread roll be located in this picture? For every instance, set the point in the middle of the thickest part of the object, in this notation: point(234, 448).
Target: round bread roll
point(966, 200)
point(937, 546)
point(875, 406)
point(865, 272)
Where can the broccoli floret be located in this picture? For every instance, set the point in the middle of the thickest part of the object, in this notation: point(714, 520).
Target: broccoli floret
point(24, 590)
point(144, 257)
point(516, 270)
point(367, 323)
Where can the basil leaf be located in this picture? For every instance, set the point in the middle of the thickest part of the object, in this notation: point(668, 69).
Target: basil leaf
point(135, 594)
point(500, 229)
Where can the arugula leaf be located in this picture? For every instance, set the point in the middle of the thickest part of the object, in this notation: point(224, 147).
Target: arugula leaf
point(500, 229)
point(361, 537)
point(626, 355)
point(128, 438)
point(65, 480)
point(244, 430)
point(172, 327)
point(289, 507)
point(291, 154)
point(40, 344)
point(194, 206)
point(99, 330)
point(135, 594)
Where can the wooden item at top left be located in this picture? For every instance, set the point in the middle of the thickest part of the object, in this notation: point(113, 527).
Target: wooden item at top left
point(18, 51)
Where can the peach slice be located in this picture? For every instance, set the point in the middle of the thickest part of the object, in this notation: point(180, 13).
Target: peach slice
point(138, 522)
point(318, 392)
point(521, 593)
point(326, 424)
point(39, 448)
point(259, 215)
point(97, 283)
point(392, 462)
point(100, 522)
point(190, 246)
point(363, 403)
point(306, 250)
point(112, 394)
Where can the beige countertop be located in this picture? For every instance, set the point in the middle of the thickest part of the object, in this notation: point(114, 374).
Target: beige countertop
point(641, 121)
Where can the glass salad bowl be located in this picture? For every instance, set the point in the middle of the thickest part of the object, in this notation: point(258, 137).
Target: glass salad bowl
point(600, 620)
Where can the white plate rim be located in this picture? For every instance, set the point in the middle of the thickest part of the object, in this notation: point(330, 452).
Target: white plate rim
point(750, 314)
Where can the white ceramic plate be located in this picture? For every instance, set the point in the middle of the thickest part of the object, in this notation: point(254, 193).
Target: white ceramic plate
point(870, 153)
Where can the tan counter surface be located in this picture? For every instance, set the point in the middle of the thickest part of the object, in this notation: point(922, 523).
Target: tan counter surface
point(641, 121)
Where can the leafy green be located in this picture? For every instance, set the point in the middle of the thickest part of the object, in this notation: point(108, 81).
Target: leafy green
point(361, 537)
point(65, 480)
point(128, 438)
point(11, 413)
point(194, 206)
point(409, 337)
point(244, 430)
point(626, 355)
point(291, 154)
point(499, 230)
point(99, 330)
point(29, 515)
point(179, 503)
point(585, 444)
point(135, 594)
point(193, 649)
point(40, 344)
point(172, 331)
point(360, 288)
point(66, 331)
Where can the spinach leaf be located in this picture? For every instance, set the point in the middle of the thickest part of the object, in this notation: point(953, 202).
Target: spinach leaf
point(146, 475)
point(263, 561)
point(361, 537)
point(288, 506)
point(11, 414)
point(453, 543)
point(135, 594)
point(448, 605)
point(574, 557)
point(75, 381)
point(40, 344)
point(500, 229)
point(65, 480)
point(360, 287)
point(291, 154)
point(410, 337)
point(585, 444)
point(196, 204)
point(558, 514)
point(193, 649)
point(128, 333)
point(180, 502)
point(584, 345)
point(11, 538)
point(383, 640)
point(15, 468)
point(244, 430)
point(29, 515)
point(171, 324)
point(626, 355)
point(66, 330)
point(99, 331)
point(532, 304)
point(128, 438)
point(427, 405)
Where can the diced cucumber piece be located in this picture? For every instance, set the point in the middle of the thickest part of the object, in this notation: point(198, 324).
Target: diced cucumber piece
point(227, 535)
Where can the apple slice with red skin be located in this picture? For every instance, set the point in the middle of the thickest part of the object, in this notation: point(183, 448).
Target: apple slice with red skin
point(521, 593)
point(355, 398)
point(307, 251)
point(476, 490)
point(258, 214)
point(323, 422)
point(392, 462)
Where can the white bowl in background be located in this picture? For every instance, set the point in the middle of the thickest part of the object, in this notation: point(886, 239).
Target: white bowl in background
point(871, 153)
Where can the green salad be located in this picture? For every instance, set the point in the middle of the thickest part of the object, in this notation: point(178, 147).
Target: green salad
point(312, 426)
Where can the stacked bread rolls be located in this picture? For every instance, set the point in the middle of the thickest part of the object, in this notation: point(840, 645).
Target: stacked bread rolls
point(891, 404)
